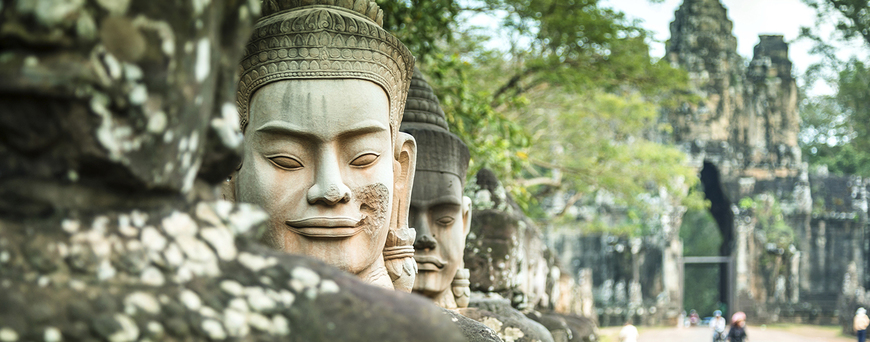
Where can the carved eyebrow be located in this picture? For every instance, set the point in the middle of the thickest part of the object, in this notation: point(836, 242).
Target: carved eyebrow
point(443, 200)
point(289, 129)
point(363, 127)
point(285, 128)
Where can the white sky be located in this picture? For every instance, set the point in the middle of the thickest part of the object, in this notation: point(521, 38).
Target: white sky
point(750, 17)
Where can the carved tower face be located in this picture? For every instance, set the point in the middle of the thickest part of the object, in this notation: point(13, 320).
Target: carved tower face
point(442, 217)
point(319, 105)
point(322, 168)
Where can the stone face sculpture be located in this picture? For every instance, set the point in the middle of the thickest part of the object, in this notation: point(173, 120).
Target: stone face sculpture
point(497, 257)
point(108, 110)
point(321, 96)
point(439, 212)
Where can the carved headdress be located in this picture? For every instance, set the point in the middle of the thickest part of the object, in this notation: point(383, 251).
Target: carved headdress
point(310, 39)
point(437, 149)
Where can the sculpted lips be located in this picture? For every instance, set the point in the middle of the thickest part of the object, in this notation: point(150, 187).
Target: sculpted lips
point(428, 263)
point(326, 227)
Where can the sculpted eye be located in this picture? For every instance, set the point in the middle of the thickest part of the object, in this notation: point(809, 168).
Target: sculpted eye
point(286, 163)
point(365, 159)
point(446, 221)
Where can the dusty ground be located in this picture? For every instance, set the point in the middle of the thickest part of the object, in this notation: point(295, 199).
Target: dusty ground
point(778, 333)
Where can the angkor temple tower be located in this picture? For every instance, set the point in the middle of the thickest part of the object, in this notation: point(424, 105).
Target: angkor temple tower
point(792, 242)
point(749, 113)
point(742, 135)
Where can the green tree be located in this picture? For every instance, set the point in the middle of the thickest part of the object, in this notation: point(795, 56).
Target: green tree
point(835, 127)
point(571, 106)
point(422, 25)
point(853, 19)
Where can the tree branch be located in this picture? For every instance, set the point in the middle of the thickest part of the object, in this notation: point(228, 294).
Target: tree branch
point(513, 83)
point(541, 181)
point(576, 197)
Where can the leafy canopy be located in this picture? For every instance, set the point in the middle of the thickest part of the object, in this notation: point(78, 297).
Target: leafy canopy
point(566, 105)
point(836, 128)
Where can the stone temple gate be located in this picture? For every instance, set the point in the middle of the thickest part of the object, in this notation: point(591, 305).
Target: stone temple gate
point(794, 241)
point(721, 260)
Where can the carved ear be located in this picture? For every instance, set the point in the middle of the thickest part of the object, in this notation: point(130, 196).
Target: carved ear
point(405, 166)
point(466, 215)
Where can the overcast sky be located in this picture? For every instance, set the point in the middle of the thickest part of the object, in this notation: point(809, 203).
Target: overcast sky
point(750, 17)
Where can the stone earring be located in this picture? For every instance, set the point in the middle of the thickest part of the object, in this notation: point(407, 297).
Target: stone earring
point(461, 287)
point(399, 258)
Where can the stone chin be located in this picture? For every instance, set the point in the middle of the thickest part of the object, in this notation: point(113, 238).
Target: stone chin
point(435, 276)
point(432, 281)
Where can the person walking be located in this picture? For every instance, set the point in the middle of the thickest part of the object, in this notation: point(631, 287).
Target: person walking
point(628, 333)
point(738, 328)
point(860, 324)
point(717, 324)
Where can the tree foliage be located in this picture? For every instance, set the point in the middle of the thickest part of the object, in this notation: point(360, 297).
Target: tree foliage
point(853, 19)
point(836, 128)
point(567, 104)
point(420, 24)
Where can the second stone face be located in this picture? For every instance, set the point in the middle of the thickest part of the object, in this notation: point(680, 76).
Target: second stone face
point(439, 212)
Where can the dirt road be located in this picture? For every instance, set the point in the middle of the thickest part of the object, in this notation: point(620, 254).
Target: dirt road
point(787, 333)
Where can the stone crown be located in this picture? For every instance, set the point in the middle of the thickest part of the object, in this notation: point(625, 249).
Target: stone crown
point(368, 9)
point(323, 39)
point(437, 149)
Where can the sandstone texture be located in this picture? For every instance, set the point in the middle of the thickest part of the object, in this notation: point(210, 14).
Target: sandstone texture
point(118, 121)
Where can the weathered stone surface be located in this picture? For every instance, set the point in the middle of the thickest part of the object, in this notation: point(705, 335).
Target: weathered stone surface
point(439, 212)
point(320, 106)
point(510, 324)
point(566, 327)
point(107, 107)
point(81, 280)
point(505, 251)
point(472, 330)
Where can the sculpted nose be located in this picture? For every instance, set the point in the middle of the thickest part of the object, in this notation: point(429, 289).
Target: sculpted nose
point(328, 188)
point(330, 194)
point(424, 239)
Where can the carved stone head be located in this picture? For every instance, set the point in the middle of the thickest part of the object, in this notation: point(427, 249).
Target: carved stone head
point(321, 95)
point(439, 211)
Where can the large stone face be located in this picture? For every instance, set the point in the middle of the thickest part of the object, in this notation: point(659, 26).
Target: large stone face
point(320, 105)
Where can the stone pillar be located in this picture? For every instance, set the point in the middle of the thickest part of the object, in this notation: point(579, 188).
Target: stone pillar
point(672, 278)
point(585, 299)
point(794, 282)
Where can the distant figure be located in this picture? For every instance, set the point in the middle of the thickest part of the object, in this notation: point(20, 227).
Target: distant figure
point(861, 323)
point(718, 325)
point(694, 319)
point(682, 321)
point(628, 333)
point(738, 328)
